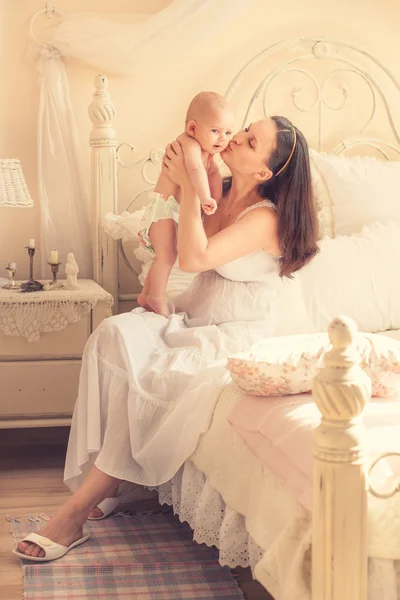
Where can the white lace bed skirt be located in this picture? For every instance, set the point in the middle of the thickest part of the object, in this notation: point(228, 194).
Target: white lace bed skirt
point(215, 523)
point(212, 521)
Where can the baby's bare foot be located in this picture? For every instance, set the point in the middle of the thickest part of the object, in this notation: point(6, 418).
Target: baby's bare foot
point(142, 301)
point(158, 305)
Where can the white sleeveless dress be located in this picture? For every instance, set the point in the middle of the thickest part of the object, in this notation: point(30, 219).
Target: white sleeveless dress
point(149, 385)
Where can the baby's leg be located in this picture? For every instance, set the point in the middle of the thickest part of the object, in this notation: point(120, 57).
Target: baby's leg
point(163, 239)
point(142, 298)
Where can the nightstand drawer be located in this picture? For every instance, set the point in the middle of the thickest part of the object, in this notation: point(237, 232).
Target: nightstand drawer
point(68, 342)
point(39, 389)
point(39, 380)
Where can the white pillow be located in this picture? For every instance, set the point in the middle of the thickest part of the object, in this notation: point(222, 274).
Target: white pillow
point(287, 365)
point(360, 190)
point(291, 316)
point(322, 200)
point(357, 276)
point(125, 226)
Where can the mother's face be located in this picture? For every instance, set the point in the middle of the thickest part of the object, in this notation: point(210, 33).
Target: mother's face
point(249, 150)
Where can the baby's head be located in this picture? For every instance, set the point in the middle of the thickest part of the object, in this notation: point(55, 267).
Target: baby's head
point(210, 121)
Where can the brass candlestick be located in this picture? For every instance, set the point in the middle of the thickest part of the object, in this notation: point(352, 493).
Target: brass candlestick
point(54, 269)
point(31, 285)
point(11, 285)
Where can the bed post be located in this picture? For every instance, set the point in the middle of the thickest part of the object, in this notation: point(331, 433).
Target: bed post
point(339, 537)
point(103, 144)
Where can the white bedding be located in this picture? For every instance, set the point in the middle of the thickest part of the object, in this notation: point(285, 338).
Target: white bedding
point(274, 534)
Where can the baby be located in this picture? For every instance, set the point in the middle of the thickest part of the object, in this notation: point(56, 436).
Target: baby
point(208, 130)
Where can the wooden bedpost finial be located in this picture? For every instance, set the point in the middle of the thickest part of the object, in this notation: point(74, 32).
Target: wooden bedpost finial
point(341, 389)
point(101, 82)
point(342, 332)
point(102, 113)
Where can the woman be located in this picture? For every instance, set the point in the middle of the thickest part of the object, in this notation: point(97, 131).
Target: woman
point(149, 384)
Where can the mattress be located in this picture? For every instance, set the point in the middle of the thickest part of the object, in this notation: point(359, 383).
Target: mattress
point(279, 432)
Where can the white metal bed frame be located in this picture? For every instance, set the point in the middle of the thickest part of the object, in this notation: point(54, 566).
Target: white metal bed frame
point(341, 390)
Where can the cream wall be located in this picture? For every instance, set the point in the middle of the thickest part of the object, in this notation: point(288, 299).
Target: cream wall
point(151, 108)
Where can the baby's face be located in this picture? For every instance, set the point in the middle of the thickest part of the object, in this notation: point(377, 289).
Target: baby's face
point(214, 130)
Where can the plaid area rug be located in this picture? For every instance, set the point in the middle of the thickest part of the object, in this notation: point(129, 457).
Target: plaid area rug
point(143, 557)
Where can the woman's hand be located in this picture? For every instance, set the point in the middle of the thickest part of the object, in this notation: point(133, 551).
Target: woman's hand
point(174, 164)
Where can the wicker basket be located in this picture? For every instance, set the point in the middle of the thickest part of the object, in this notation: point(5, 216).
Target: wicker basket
point(13, 188)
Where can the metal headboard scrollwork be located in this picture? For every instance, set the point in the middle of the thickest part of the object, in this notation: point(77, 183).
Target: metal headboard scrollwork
point(153, 160)
point(301, 58)
point(395, 488)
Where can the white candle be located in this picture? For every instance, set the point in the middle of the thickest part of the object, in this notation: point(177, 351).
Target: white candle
point(31, 243)
point(53, 256)
point(12, 265)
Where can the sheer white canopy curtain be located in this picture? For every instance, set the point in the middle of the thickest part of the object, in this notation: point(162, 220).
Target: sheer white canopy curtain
point(115, 48)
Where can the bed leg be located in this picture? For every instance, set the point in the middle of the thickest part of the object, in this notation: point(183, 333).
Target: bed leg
point(341, 390)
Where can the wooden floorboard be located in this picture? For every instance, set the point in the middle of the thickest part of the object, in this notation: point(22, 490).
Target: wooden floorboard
point(31, 468)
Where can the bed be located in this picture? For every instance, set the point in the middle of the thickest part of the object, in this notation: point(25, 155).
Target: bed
point(345, 101)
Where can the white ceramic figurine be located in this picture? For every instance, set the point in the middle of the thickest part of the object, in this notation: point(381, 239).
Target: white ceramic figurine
point(71, 271)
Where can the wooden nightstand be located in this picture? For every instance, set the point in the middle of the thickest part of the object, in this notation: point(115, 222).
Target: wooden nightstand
point(42, 336)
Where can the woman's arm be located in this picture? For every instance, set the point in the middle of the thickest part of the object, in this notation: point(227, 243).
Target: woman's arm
point(195, 168)
point(197, 253)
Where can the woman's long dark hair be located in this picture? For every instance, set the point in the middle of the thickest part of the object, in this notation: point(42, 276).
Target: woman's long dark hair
point(291, 192)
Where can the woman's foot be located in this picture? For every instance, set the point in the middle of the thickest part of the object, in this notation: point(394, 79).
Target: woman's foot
point(97, 513)
point(159, 305)
point(62, 529)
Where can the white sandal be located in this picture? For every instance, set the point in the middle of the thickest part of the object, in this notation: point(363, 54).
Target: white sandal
point(52, 549)
point(107, 507)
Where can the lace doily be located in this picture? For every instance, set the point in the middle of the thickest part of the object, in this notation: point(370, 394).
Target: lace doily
point(32, 314)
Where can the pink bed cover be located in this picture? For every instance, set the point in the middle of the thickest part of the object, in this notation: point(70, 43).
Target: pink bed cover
point(279, 431)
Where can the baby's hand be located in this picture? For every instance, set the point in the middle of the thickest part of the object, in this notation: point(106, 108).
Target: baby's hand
point(209, 206)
